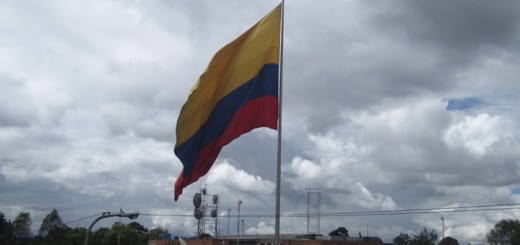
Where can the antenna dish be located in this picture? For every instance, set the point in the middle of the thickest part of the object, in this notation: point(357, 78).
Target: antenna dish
point(197, 200)
point(215, 199)
point(198, 213)
point(214, 213)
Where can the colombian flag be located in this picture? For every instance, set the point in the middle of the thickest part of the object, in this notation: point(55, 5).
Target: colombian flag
point(237, 93)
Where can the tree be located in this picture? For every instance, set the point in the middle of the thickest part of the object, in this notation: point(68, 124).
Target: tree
point(403, 239)
point(156, 232)
point(449, 241)
point(505, 232)
point(99, 236)
point(77, 235)
point(142, 232)
point(122, 234)
point(6, 230)
point(138, 227)
point(426, 237)
point(22, 226)
point(52, 229)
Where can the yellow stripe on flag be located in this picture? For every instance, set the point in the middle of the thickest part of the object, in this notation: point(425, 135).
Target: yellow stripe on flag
point(233, 65)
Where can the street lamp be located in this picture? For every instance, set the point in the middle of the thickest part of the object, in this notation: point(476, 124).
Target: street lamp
point(130, 215)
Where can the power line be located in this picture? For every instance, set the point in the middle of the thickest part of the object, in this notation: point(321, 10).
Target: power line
point(474, 208)
point(80, 219)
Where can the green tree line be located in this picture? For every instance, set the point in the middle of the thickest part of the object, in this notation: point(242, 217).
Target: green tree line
point(54, 231)
point(505, 232)
point(425, 237)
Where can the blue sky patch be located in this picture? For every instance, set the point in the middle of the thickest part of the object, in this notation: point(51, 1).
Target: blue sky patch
point(464, 103)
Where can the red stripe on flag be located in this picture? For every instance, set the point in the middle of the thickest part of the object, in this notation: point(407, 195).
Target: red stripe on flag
point(260, 112)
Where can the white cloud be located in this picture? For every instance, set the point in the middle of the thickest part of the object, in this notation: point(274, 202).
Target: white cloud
point(261, 228)
point(230, 177)
point(15, 173)
point(306, 174)
point(477, 134)
point(365, 199)
point(163, 218)
point(305, 169)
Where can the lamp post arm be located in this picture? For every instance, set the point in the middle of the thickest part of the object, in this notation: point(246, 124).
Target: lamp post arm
point(130, 215)
point(91, 225)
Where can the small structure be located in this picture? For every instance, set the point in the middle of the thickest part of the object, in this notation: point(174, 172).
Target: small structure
point(285, 239)
point(341, 232)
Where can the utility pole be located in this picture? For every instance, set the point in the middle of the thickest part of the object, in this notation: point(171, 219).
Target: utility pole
point(442, 218)
point(119, 231)
point(238, 222)
point(228, 214)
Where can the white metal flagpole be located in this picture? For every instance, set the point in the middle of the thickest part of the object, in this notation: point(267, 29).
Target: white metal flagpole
point(279, 158)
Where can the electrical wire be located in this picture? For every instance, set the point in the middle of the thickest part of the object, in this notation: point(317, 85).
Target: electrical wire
point(475, 208)
point(80, 219)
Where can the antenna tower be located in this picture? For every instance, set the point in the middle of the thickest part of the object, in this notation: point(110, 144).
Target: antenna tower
point(313, 210)
point(202, 208)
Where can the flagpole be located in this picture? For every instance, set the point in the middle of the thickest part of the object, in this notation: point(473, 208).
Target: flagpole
point(279, 158)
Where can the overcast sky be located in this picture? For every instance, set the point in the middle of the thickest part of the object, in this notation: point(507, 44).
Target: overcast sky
point(387, 105)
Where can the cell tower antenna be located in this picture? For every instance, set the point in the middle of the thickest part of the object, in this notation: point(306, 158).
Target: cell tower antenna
point(202, 207)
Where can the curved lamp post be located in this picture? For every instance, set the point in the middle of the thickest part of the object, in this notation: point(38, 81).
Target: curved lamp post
point(130, 215)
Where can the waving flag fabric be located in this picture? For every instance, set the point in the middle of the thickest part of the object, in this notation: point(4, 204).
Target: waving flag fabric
point(237, 93)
